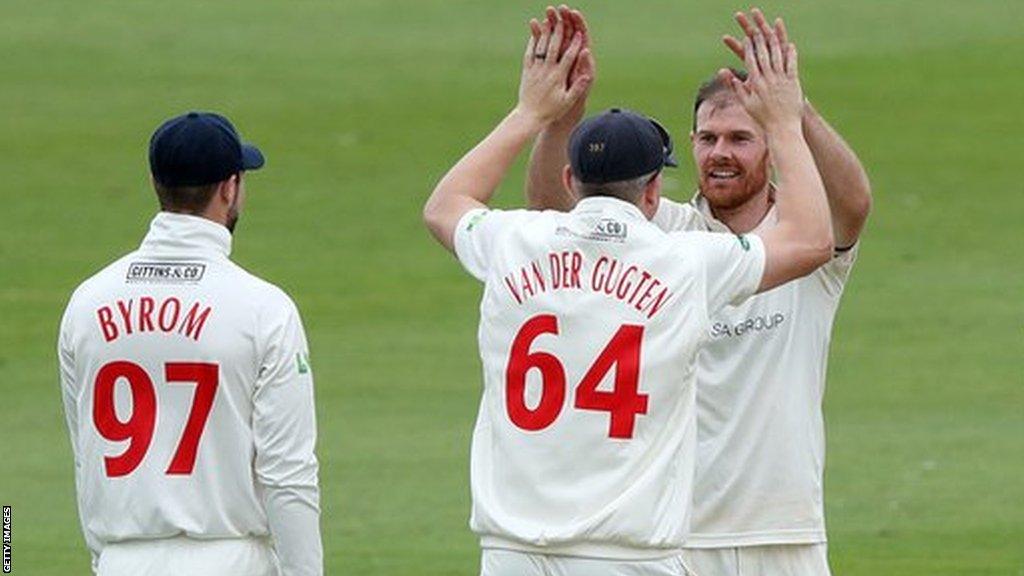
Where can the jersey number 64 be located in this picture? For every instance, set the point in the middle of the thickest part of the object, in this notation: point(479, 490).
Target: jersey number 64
point(623, 402)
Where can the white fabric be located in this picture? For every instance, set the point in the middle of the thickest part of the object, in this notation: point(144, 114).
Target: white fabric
point(569, 487)
point(777, 560)
point(178, 556)
point(254, 472)
point(498, 562)
point(761, 380)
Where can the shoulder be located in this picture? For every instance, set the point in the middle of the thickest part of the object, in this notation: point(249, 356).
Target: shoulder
point(673, 216)
point(262, 293)
point(96, 286)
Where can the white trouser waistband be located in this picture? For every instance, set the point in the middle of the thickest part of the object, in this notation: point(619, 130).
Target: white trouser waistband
point(183, 555)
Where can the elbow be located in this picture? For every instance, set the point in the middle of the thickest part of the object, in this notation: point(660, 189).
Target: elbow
point(431, 213)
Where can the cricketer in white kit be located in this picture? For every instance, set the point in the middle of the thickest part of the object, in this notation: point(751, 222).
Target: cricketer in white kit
point(187, 387)
point(585, 443)
point(758, 497)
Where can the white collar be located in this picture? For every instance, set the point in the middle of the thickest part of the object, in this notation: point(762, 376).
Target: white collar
point(608, 204)
point(184, 233)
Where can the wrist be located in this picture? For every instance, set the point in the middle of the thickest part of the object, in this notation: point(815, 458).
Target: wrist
point(529, 121)
point(785, 128)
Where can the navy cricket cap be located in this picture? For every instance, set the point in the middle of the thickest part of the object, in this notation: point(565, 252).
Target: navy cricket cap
point(199, 148)
point(618, 145)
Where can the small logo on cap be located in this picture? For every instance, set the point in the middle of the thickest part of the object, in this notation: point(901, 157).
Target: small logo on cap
point(596, 147)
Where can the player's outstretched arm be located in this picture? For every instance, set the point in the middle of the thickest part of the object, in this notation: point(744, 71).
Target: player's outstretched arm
point(802, 240)
point(545, 189)
point(544, 94)
point(846, 182)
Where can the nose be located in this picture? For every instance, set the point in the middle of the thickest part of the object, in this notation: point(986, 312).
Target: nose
point(720, 149)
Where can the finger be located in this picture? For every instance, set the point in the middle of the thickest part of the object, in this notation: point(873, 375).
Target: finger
point(579, 88)
point(760, 21)
point(745, 24)
point(761, 54)
point(735, 45)
point(775, 51)
point(734, 84)
point(581, 25)
point(791, 63)
point(565, 15)
point(555, 42)
point(541, 47)
point(531, 43)
point(571, 55)
point(781, 32)
point(750, 60)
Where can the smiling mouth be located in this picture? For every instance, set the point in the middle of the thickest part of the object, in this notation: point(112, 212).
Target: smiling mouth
point(722, 174)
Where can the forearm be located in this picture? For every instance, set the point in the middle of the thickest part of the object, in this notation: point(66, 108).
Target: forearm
point(474, 178)
point(544, 187)
point(293, 513)
point(800, 202)
point(846, 183)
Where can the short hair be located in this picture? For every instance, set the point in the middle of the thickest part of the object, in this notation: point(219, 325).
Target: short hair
point(629, 190)
point(713, 87)
point(185, 199)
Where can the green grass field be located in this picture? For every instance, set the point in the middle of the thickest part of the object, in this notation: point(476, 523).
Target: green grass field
point(362, 105)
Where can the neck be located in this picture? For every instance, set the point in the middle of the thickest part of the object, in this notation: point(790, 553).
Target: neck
point(745, 217)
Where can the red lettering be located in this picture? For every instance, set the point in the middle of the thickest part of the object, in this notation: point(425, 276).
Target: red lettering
point(512, 288)
point(538, 276)
point(172, 317)
point(194, 321)
point(106, 317)
point(663, 297)
point(146, 306)
point(126, 315)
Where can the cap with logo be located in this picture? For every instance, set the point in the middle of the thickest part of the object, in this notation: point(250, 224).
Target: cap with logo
point(199, 148)
point(618, 145)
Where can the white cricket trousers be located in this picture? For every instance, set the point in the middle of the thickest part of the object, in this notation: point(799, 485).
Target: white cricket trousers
point(180, 556)
point(498, 562)
point(775, 560)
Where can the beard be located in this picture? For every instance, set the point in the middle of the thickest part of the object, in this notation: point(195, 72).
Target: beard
point(233, 216)
point(736, 192)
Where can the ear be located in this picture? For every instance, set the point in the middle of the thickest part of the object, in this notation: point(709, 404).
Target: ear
point(228, 190)
point(652, 196)
point(567, 179)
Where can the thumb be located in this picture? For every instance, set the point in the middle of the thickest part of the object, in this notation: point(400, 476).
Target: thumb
point(579, 87)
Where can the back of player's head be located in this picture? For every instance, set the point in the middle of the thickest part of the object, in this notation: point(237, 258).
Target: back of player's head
point(616, 153)
point(714, 87)
point(189, 155)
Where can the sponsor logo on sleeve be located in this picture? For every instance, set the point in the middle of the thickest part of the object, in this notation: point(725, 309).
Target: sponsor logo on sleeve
point(166, 272)
point(302, 362)
point(744, 243)
point(475, 219)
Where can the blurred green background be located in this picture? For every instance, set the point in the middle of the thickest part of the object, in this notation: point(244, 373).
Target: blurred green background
point(362, 105)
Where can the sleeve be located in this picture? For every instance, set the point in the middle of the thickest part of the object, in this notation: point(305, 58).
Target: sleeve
point(673, 216)
point(475, 237)
point(733, 265)
point(69, 396)
point(834, 273)
point(284, 429)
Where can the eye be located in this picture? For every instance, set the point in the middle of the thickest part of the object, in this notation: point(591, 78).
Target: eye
point(706, 139)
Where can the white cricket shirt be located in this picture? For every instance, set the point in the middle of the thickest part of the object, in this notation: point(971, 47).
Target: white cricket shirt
point(189, 399)
point(760, 385)
point(590, 324)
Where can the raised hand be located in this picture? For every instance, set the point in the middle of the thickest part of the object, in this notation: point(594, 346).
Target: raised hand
point(771, 92)
point(584, 67)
